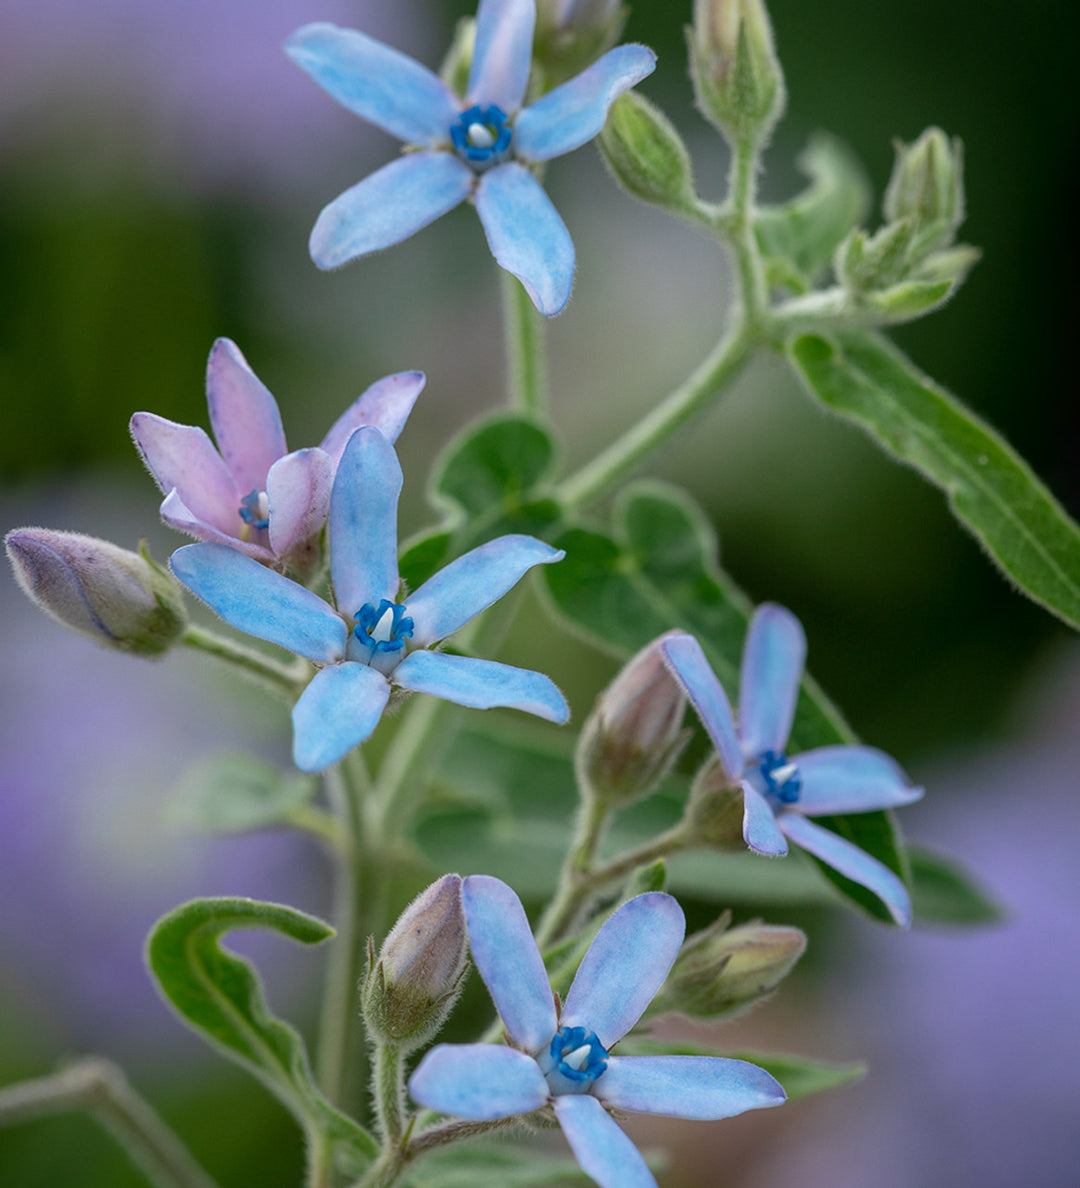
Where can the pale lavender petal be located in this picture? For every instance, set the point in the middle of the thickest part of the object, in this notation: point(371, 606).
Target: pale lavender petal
point(482, 684)
point(625, 966)
point(379, 84)
point(258, 601)
point(478, 1081)
point(760, 830)
point(571, 115)
point(694, 673)
point(385, 406)
point(702, 1087)
point(176, 514)
point(851, 780)
point(336, 712)
point(599, 1144)
point(508, 960)
point(184, 458)
point(245, 417)
point(363, 522)
point(298, 494)
point(526, 235)
point(769, 687)
point(502, 54)
point(472, 583)
point(849, 860)
point(389, 206)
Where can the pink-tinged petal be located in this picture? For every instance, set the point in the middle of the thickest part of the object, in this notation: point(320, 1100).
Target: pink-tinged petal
point(502, 54)
point(379, 84)
point(479, 1082)
point(336, 712)
point(599, 1145)
point(508, 960)
point(363, 523)
point(184, 458)
point(702, 1087)
point(177, 515)
point(760, 830)
point(389, 206)
point(625, 966)
point(769, 687)
point(298, 494)
point(482, 684)
point(694, 673)
point(571, 115)
point(851, 862)
point(255, 600)
point(245, 417)
point(526, 235)
point(851, 780)
point(384, 406)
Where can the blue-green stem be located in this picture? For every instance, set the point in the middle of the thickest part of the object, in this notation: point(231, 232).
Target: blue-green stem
point(526, 350)
point(285, 680)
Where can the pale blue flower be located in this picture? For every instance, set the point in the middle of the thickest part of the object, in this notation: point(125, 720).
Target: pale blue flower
point(479, 148)
point(367, 640)
point(781, 792)
point(565, 1060)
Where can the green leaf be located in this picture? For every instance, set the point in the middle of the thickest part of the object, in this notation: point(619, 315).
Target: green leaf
point(235, 793)
point(908, 300)
point(944, 893)
point(424, 554)
point(990, 489)
point(220, 996)
point(660, 572)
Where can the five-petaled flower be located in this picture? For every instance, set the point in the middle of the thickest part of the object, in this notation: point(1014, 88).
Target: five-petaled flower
point(480, 147)
point(780, 792)
point(370, 640)
point(565, 1060)
point(254, 495)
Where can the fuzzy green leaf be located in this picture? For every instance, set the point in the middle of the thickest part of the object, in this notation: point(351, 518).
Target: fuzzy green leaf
point(235, 793)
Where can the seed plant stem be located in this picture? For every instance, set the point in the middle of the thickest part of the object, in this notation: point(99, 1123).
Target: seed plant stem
point(526, 350)
point(284, 680)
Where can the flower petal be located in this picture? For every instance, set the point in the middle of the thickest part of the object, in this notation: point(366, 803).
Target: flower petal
point(389, 206)
point(571, 115)
point(472, 583)
point(769, 687)
point(336, 712)
point(502, 54)
point(258, 601)
point(849, 860)
point(760, 830)
point(526, 235)
point(478, 1081)
point(693, 671)
point(625, 966)
point(177, 515)
point(851, 780)
point(183, 457)
point(600, 1145)
point(363, 522)
point(379, 84)
point(298, 494)
point(702, 1087)
point(385, 406)
point(508, 960)
point(482, 684)
point(245, 417)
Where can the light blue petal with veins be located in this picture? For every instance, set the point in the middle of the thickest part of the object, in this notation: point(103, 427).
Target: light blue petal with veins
point(760, 830)
point(389, 206)
point(502, 53)
point(625, 966)
point(769, 687)
point(337, 711)
point(508, 960)
point(600, 1146)
point(702, 1087)
point(482, 684)
point(384, 406)
point(260, 602)
point(526, 235)
point(379, 84)
point(692, 670)
point(479, 1082)
point(571, 115)
point(851, 780)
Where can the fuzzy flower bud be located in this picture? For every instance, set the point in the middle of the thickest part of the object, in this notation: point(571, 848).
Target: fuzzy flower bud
point(714, 812)
point(927, 187)
point(413, 985)
point(646, 155)
point(118, 598)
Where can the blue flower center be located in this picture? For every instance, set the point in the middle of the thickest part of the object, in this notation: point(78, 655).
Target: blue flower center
point(382, 629)
point(781, 778)
point(481, 136)
point(575, 1058)
point(255, 509)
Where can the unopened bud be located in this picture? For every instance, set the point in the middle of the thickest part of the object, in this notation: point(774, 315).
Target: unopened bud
point(121, 599)
point(413, 985)
point(571, 34)
point(714, 812)
point(927, 187)
point(646, 155)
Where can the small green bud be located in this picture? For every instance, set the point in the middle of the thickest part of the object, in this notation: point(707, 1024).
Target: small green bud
point(927, 187)
point(714, 812)
point(458, 61)
point(413, 985)
point(572, 34)
point(646, 878)
point(645, 154)
point(121, 599)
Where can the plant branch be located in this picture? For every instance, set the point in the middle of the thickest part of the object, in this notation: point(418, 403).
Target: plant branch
point(526, 350)
point(284, 680)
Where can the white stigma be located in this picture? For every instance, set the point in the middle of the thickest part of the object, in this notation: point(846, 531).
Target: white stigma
point(481, 136)
point(381, 632)
point(782, 774)
point(578, 1058)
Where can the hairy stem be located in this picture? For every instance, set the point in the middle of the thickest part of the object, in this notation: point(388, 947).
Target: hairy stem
point(282, 679)
point(389, 1091)
point(526, 350)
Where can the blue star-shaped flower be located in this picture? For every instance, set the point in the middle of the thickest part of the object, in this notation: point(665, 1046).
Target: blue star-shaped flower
point(480, 147)
point(369, 641)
